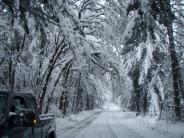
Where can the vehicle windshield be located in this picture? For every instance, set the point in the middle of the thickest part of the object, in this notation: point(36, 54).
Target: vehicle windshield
point(3, 100)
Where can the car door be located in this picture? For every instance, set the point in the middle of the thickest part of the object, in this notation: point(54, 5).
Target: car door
point(36, 130)
point(16, 128)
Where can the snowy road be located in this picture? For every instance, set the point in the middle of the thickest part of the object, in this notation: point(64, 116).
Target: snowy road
point(119, 124)
point(108, 125)
point(72, 130)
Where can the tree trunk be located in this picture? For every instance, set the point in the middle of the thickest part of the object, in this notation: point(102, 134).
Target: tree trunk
point(78, 94)
point(175, 71)
point(181, 31)
point(11, 71)
point(64, 105)
point(63, 102)
point(60, 102)
point(64, 97)
point(53, 60)
point(87, 102)
point(145, 101)
point(51, 94)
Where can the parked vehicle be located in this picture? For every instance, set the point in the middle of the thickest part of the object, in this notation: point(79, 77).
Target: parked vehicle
point(19, 117)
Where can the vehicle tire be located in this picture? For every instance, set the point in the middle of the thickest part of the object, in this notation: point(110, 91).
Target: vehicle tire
point(51, 135)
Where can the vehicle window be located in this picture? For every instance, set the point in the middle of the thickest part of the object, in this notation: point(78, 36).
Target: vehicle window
point(3, 100)
point(18, 104)
point(31, 103)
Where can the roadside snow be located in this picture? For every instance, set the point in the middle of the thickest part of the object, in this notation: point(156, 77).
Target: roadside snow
point(161, 128)
point(149, 127)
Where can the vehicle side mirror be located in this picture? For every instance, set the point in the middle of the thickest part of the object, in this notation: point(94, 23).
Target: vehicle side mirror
point(26, 118)
point(29, 118)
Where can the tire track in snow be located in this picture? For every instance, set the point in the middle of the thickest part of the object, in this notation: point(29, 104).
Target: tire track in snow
point(72, 131)
point(109, 126)
point(125, 127)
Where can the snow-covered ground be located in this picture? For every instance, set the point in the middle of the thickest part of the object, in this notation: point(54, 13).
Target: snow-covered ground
point(66, 127)
point(114, 123)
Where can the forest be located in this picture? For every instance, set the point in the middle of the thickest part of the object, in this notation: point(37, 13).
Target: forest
point(73, 52)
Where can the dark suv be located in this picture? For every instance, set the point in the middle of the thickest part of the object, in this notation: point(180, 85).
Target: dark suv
point(19, 117)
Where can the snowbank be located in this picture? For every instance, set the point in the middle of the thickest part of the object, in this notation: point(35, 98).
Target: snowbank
point(150, 127)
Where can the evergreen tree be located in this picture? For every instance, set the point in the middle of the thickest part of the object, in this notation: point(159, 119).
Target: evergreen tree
point(141, 39)
point(161, 11)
